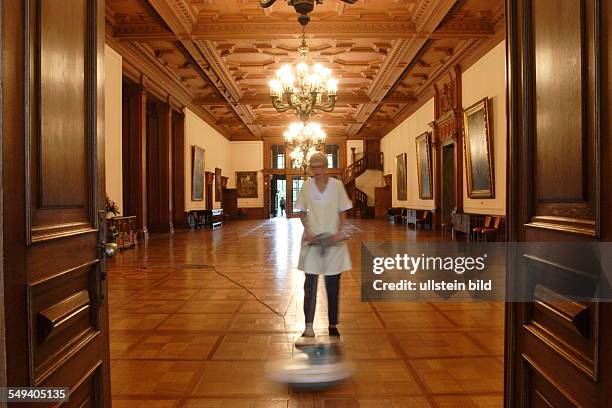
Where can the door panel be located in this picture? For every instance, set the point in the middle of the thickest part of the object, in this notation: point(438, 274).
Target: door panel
point(56, 204)
point(557, 349)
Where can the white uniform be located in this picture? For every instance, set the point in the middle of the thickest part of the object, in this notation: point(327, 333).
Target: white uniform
point(323, 217)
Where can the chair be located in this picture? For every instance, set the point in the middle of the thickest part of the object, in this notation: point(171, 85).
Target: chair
point(422, 219)
point(394, 214)
point(401, 218)
point(493, 230)
point(477, 231)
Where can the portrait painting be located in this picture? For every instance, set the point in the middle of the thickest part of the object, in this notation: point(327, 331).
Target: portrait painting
point(423, 156)
point(197, 177)
point(246, 184)
point(478, 150)
point(217, 185)
point(402, 181)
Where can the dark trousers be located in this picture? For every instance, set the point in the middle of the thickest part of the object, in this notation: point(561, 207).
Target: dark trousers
point(332, 287)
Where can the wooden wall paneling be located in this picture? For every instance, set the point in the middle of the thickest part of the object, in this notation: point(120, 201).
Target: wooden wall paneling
point(53, 77)
point(126, 146)
point(178, 166)
point(209, 180)
point(135, 143)
point(159, 166)
point(343, 155)
point(230, 203)
point(166, 167)
point(436, 157)
point(152, 187)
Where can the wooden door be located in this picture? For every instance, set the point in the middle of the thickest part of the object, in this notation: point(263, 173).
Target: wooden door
point(53, 190)
point(558, 354)
point(448, 181)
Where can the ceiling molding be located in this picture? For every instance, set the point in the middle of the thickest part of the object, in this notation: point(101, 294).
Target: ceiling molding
point(383, 28)
point(176, 14)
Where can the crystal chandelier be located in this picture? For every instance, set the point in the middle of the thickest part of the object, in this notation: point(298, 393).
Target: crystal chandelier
point(305, 139)
point(304, 90)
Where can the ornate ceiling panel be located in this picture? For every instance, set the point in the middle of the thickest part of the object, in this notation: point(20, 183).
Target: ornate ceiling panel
point(222, 54)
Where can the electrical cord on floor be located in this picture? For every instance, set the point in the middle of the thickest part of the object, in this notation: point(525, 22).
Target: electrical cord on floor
point(250, 292)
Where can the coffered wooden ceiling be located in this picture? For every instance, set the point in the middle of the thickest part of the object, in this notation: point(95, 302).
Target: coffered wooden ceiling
point(217, 56)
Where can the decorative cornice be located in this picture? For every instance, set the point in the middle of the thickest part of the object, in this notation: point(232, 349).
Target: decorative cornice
point(402, 53)
point(216, 65)
point(175, 13)
point(148, 32)
point(430, 13)
point(184, 12)
point(384, 29)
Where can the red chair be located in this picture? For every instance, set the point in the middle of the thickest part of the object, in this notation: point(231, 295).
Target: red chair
point(485, 232)
point(476, 231)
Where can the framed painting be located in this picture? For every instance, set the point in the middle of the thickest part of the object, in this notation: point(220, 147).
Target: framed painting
point(217, 185)
point(246, 184)
point(402, 186)
point(423, 160)
point(477, 150)
point(197, 176)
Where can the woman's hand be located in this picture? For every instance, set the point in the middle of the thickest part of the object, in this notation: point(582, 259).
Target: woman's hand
point(309, 236)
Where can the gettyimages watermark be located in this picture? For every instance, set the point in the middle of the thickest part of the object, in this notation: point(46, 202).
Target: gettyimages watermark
point(469, 271)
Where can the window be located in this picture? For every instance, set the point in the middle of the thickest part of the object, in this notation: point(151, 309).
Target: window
point(297, 183)
point(332, 151)
point(278, 156)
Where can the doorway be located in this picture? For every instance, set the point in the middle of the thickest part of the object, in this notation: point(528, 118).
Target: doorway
point(295, 185)
point(278, 196)
point(449, 201)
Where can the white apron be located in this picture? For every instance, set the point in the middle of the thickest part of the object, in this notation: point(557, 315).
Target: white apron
point(323, 217)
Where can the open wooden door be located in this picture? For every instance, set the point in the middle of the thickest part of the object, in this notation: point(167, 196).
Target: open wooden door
point(558, 353)
point(54, 194)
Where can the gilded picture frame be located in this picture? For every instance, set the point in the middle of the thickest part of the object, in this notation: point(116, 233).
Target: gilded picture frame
point(423, 160)
point(402, 177)
point(246, 184)
point(197, 176)
point(477, 149)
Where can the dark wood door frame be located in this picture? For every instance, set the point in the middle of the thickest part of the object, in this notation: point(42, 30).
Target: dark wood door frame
point(2, 324)
point(2, 296)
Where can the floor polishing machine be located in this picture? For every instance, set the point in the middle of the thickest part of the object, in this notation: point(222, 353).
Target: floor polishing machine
point(316, 365)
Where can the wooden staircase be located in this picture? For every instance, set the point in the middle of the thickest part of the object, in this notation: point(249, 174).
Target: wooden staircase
point(350, 174)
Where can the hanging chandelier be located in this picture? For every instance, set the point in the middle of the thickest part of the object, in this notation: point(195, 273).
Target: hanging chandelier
point(304, 90)
point(303, 7)
point(305, 139)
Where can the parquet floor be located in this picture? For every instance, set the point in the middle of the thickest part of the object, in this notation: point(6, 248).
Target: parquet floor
point(183, 336)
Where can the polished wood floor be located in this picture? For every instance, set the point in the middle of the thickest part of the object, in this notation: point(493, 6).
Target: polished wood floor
point(184, 336)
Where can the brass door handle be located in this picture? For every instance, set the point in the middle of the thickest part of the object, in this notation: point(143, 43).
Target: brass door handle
point(108, 249)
